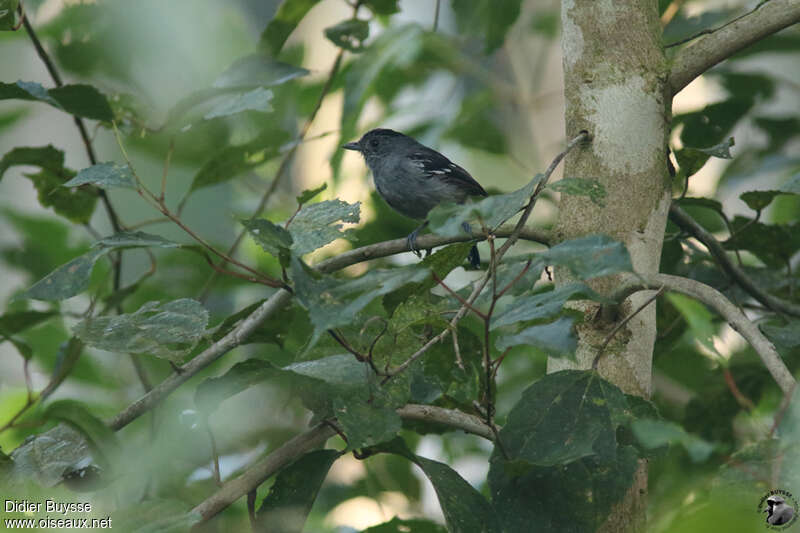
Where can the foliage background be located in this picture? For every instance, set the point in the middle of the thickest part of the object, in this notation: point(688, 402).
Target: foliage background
point(493, 103)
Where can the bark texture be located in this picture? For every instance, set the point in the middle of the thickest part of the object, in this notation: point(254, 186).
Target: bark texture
point(615, 87)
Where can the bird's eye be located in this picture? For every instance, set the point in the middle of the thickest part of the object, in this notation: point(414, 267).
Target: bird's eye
point(373, 143)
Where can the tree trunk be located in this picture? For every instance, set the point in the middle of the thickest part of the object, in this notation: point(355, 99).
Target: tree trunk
point(615, 88)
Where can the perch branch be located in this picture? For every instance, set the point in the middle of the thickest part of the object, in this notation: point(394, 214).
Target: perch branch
point(682, 219)
point(708, 50)
point(315, 437)
point(716, 300)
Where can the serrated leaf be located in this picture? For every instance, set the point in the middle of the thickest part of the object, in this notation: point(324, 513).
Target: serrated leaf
point(258, 70)
point(349, 34)
point(542, 305)
point(288, 16)
point(758, 200)
point(589, 257)
point(316, 225)
point(80, 100)
point(77, 415)
point(105, 176)
point(332, 302)
point(290, 498)
point(590, 188)
point(309, 194)
point(365, 424)
point(272, 238)
point(774, 244)
point(256, 100)
point(556, 339)
point(447, 219)
point(340, 370)
point(46, 457)
point(657, 433)
point(168, 331)
point(77, 205)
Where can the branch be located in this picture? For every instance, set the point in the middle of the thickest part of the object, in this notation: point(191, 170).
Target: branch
point(682, 219)
point(632, 283)
point(315, 437)
point(424, 242)
point(205, 358)
point(770, 17)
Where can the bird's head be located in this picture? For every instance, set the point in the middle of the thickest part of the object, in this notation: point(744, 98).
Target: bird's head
point(379, 142)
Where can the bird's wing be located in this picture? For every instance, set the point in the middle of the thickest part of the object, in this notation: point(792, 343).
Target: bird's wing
point(432, 163)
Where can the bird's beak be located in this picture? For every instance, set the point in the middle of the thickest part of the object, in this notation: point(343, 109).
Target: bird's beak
point(352, 146)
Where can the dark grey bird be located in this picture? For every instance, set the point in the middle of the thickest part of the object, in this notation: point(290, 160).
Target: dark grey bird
point(413, 178)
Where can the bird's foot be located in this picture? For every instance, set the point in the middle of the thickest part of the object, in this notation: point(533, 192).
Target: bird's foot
point(412, 242)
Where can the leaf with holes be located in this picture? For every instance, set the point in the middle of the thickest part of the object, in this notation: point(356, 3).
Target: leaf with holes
point(316, 225)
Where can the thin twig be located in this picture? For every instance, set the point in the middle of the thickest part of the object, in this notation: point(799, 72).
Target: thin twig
point(436, 16)
point(457, 296)
point(709, 31)
point(582, 136)
point(619, 326)
point(741, 399)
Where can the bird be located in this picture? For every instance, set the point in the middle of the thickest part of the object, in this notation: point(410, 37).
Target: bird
point(413, 178)
point(778, 513)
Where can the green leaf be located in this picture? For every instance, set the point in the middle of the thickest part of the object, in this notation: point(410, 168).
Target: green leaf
point(80, 100)
point(77, 205)
point(72, 278)
point(105, 176)
point(698, 318)
point(691, 159)
point(8, 14)
point(447, 219)
point(556, 339)
point(774, 244)
point(542, 305)
point(231, 161)
point(274, 239)
point(283, 24)
point(382, 7)
point(339, 370)
point(784, 336)
point(396, 47)
point(332, 303)
point(67, 280)
point(213, 391)
point(591, 188)
point(12, 323)
point(77, 415)
point(590, 257)
point(256, 100)
point(46, 457)
point(758, 200)
point(317, 225)
point(657, 433)
point(286, 507)
point(365, 424)
point(563, 417)
point(465, 509)
point(83, 101)
point(475, 124)
point(168, 331)
point(258, 70)
point(349, 34)
point(397, 525)
point(490, 18)
point(560, 439)
point(309, 194)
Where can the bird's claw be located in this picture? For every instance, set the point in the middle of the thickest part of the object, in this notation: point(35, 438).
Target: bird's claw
point(412, 242)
